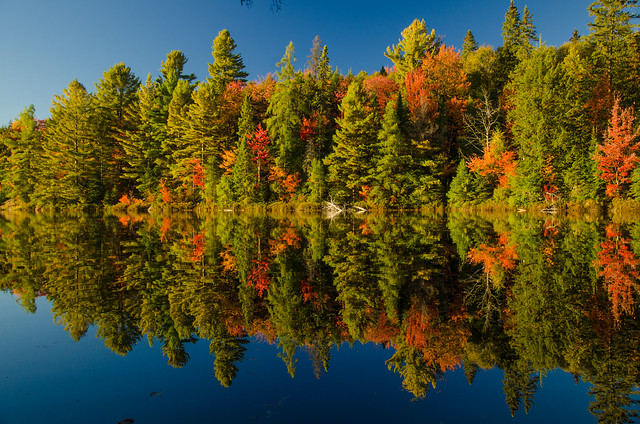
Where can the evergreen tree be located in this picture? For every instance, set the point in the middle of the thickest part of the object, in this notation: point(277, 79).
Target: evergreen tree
point(227, 66)
point(351, 159)
point(469, 45)
point(528, 33)
point(25, 144)
point(244, 180)
point(612, 31)
point(115, 94)
point(286, 69)
point(70, 173)
point(142, 145)
point(392, 176)
point(415, 44)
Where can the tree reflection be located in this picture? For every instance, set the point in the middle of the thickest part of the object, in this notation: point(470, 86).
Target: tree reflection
point(521, 293)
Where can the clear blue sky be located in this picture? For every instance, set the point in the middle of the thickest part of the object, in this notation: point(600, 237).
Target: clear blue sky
point(45, 44)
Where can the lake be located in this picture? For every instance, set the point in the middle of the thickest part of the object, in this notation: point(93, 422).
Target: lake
point(307, 318)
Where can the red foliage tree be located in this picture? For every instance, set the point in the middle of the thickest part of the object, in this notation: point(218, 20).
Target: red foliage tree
point(259, 144)
point(616, 157)
point(197, 173)
point(384, 89)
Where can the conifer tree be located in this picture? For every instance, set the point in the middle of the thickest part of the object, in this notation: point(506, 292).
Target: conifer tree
point(351, 159)
point(469, 45)
point(25, 144)
point(415, 44)
point(392, 174)
point(227, 66)
point(528, 33)
point(283, 121)
point(244, 180)
point(115, 94)
point(70, 172)
point(612, 33)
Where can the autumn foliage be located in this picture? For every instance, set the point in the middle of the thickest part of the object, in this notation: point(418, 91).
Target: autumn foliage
point(616, 157)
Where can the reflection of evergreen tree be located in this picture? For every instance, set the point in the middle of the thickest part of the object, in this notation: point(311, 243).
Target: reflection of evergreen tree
point(227, 351)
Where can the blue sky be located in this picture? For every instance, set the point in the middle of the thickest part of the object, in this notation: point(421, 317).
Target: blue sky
point(46, 44)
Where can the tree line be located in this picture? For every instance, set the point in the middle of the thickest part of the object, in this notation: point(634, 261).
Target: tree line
point(521, 124)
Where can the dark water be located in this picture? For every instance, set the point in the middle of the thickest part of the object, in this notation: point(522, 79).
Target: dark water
point(366, 318)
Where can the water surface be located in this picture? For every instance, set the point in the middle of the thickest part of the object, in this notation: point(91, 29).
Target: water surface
point(435, 318)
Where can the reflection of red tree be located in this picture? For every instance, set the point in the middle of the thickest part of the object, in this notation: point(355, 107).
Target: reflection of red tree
point(440, 343)
point(259, 277)
point(619, 271)
point(382, 331)
point(198, 247)
point(288, 238)
point(496, 258)
point(308, 295)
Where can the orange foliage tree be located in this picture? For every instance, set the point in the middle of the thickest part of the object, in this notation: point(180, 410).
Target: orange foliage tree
point(497, 164)
point(616, 157)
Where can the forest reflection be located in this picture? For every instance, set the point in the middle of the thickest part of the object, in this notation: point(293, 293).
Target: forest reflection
point(522, 293)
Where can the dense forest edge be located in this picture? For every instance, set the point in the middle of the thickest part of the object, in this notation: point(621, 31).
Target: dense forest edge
point(523, 126)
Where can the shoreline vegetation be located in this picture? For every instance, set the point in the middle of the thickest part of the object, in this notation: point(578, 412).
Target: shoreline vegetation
point(523, 127)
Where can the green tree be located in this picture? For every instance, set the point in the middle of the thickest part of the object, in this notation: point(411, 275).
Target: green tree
point(469, 45)
point(70, 172)
point(349, 163)
point(392, 177)
point(227, 66)
point(415, 44)
point(25, 144)
point(116, 93)
point(612, 33)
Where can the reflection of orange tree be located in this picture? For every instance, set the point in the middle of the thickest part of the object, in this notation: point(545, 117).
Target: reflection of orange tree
point(619, 270)
point(496, 258)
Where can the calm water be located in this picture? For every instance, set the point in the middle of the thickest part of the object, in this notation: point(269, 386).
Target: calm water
point(439, 319)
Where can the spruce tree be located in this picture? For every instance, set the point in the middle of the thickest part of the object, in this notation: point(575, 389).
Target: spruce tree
point(142, 145)
point(22, 170)
point(244, 175)
point(469, 45)
point(351, 159)
point(392, 176)
point(612, 33)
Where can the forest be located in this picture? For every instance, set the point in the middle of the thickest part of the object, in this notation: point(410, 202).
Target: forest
point(517, 126)
point(523, 294)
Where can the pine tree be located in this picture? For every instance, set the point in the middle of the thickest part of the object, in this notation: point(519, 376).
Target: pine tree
point(115, 94)
point(227, 66)
point(612, 32)
point(286, 69)
point(511, 28)
point(70, 172)
point(414, 45)
point(22, 171)
point(142, 145)
point(528, 33)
